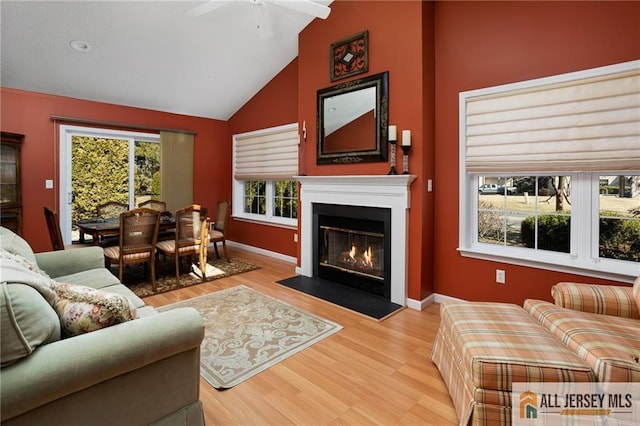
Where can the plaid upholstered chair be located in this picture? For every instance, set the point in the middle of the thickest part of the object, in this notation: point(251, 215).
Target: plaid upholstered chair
point(137, 244)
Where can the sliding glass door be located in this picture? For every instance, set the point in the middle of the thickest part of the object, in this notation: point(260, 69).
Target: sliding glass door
point(99, 165)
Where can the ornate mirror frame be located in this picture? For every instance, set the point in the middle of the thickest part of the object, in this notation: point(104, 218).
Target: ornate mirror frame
point(358, 133)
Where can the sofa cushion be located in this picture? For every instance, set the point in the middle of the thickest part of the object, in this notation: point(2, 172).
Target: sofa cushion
point(15, 244)
point(498, 344)
point(83, 309)
point(28, 321)
point(609, 345)
point(598, 299)
point(94, 278)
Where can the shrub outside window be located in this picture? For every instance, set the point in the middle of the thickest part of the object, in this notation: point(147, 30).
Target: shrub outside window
point(549, 173)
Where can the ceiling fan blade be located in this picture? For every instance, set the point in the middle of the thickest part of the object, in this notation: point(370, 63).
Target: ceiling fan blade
point(306, 6)
point(205, 8)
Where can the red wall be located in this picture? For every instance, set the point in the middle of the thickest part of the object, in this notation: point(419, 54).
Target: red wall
point(276, 104)
point(29, 114)
point(481, 44)
point(396, 44)
point(433, 51)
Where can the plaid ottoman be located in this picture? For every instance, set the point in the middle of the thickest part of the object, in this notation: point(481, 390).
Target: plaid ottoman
point(482, 347)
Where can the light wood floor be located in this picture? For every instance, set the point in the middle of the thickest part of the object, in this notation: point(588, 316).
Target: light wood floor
point(369, 373)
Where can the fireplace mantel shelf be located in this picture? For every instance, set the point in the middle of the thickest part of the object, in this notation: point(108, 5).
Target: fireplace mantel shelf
point(370, 180)
point(383, 191)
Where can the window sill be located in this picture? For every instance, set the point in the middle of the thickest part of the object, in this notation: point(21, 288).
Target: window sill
point(264, 222)
point(626, 276)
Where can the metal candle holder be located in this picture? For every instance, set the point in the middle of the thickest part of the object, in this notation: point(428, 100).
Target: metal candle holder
point(405, 158)
point(393, 158)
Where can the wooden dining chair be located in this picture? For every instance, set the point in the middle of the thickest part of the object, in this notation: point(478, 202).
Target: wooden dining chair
point(111, 209)
point(54, 229)
point(161, 206)
point(138, 238)
point(219, 231)
point(190, 237)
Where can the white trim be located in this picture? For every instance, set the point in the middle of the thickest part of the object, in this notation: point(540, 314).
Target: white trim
point(386, 191)
point(237, 186)
point(262, 251)
point(584, 258)
point(559, 78)
point(439, 298)
point(420, 305)
point(66, 132)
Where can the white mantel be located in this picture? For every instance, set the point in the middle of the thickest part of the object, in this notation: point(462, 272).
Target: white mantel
point(385, 191)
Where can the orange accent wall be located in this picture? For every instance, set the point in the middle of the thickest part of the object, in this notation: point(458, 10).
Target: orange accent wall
point(482, 44)
point(397, 43)
point(276, 104)
point(29, 113)
point(433, 51)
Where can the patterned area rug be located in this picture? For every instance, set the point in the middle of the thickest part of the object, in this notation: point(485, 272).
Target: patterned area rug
point(137, 277)
point(247, 332)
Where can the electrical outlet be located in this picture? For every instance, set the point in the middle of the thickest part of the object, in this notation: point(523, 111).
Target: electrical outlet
point(500, 276)
point(295, 238)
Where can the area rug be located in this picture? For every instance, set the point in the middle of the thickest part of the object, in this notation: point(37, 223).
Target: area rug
point(137, 278)
point(247, 332)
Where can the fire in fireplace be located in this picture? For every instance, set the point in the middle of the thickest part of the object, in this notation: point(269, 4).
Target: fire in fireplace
point(353, 251)
point(352, 246)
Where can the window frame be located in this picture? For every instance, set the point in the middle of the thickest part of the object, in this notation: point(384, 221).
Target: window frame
point(583, 257)
point(238, 188)
point(65, 135)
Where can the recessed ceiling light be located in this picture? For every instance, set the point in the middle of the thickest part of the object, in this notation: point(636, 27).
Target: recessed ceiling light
point(80, 46)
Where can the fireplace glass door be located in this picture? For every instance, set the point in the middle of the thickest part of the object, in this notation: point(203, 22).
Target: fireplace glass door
point(352, 251)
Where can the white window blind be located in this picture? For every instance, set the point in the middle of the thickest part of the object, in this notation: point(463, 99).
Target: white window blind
point(272, 156)
point(579, 122)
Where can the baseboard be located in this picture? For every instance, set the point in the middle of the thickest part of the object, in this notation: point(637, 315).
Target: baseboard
point(264, 252)
point(419, 305)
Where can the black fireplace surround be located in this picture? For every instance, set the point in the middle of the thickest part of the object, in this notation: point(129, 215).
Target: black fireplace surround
point(359, 229)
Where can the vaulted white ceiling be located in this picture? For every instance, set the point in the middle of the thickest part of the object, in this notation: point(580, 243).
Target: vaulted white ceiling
point(147, 54)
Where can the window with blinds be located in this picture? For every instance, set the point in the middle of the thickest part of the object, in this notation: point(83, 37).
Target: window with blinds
point(264, 164)
point(579, 124)
point(550, 172)
point(268, 155)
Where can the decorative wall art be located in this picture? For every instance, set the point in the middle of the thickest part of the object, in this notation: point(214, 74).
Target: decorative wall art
point(350, 56)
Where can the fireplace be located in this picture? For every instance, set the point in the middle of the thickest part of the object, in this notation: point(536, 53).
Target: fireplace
point(389, 193)
point(352, 246)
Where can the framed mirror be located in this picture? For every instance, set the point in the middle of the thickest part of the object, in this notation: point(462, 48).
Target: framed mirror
point(353, 120)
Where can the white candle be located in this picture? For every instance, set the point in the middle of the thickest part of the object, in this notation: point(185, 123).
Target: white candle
point(406, 137)
point(393, 133)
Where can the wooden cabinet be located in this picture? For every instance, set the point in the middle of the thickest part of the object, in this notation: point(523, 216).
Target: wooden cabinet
point(10, 182)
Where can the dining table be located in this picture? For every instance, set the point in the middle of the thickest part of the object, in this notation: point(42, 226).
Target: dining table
point(101, 227)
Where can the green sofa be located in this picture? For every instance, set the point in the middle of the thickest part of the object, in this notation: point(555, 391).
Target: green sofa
point(141, 371)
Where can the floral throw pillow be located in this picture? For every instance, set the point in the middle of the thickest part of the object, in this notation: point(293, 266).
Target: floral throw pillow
point(83, 309)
